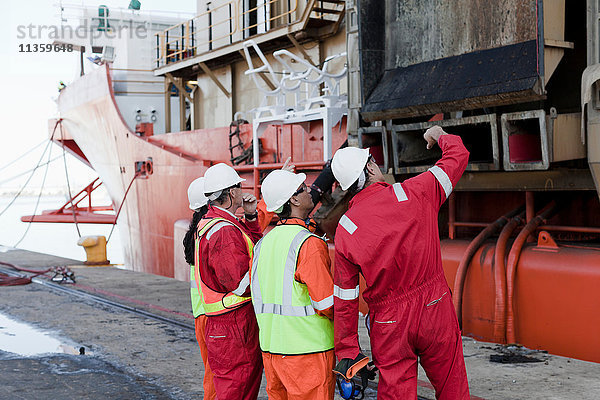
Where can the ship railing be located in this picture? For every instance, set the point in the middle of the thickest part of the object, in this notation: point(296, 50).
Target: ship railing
point(182, 40)
point(257, 169)
point(233, 22)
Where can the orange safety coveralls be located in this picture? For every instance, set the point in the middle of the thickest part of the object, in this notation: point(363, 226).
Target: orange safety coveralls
point(264, 216)
point(307, 376)
point(264, 219)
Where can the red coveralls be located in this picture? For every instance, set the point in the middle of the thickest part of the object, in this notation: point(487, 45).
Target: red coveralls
point(390, 235)
point(264, 218)
point(232, 339)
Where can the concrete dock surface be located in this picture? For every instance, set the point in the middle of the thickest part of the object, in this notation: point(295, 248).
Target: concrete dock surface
point(115, 353)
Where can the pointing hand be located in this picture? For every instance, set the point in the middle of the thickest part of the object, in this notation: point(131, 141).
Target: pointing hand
point(432, 135)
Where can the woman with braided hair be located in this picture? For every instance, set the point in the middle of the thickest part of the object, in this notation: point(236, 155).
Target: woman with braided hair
point(199, 204)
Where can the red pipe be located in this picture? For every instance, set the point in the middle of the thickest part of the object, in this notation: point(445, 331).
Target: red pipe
point(500, 279)
point(511, 267)
point(472, 224)
point(558, 228)
point(271, 166)
point(529, 206)
point(262, 167)
point(256, 176)
point(578, 229)
point(451, 216)
point(461, 272)
point(291, 141)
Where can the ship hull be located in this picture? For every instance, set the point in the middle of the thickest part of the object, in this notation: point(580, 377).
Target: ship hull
point(149, 210)
point(90, 116)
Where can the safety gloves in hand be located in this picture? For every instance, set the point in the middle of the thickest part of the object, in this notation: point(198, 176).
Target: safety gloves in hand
point(348, 367)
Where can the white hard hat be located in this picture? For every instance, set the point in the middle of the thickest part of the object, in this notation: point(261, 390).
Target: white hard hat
point(196, 194)
point(218, 177)
point(347, 164)
point(279, 186)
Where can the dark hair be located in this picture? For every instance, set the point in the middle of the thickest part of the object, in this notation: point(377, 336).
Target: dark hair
point(190, 236)
point(286, 211)
point(353, 189)
point(224, 196)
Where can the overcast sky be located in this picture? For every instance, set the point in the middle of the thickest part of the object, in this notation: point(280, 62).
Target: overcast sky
point(29, 84)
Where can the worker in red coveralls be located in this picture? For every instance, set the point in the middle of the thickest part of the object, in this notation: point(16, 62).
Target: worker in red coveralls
point(199, 204)
point(225, 249)
point(390, 235)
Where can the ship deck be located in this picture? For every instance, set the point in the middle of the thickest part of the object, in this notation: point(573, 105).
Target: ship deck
point(137, 330)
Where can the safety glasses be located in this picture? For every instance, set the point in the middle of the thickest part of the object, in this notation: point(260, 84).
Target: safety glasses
point(302, 188)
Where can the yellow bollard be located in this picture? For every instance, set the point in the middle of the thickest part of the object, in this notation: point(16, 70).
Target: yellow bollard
point(95, 249)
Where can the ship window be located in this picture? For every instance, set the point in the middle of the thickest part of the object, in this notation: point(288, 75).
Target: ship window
point(250, 18)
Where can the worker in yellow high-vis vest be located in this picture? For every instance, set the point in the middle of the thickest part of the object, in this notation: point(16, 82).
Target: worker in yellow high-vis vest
point(292, 296)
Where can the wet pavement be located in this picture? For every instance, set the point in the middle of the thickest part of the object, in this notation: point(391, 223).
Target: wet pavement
point(66, 377)
point(132, 356)
point(36, 365)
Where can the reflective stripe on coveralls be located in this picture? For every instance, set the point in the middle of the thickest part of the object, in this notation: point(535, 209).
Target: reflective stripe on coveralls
point(284, 310)
point(346, 294)
point(442, 178)
point(215, 303)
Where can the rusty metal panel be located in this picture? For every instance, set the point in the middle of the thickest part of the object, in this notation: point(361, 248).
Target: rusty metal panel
point(492, 77)
point(424, 30)
point(442, 56)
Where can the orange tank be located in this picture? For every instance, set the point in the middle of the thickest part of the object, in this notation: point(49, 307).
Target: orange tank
point(555, 301)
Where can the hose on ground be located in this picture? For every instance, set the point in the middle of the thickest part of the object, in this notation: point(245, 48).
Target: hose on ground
point(7, 280)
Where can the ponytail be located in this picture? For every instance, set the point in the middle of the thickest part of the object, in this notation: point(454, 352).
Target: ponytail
point(190, 236)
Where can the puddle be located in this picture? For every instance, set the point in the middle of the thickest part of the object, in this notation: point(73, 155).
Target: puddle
point(25, 340)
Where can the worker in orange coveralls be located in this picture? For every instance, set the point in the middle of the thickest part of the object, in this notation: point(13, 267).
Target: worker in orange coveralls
point(222, 274)
point(390, 235)
point(292, 295)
